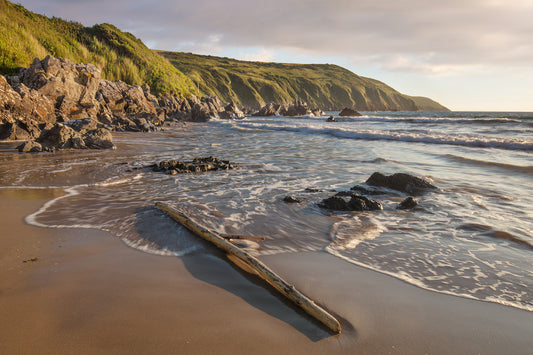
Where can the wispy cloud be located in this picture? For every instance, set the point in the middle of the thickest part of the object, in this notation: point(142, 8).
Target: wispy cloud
point(454, 32)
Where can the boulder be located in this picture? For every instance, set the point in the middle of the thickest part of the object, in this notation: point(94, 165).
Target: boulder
point(349, 112)
point(408, 203)
point(355, 203)
point(77, 134)
point(401, 182)
point(61, 137)
point(30, 147)
point(99, 138)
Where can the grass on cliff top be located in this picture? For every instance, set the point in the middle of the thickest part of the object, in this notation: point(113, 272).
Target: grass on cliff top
point(254, 84)
point(25, 35)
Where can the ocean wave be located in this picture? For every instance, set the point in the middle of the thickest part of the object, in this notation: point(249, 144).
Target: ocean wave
point(410, 136)
point(528, 169)
point(433, 120)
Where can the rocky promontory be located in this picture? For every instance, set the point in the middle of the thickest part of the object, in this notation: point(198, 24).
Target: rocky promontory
point(41, 101)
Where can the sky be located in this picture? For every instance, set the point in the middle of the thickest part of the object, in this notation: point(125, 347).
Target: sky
point(469, 55)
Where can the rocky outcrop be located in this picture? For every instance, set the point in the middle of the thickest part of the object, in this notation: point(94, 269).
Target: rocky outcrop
point(349, 112)
point(77, 134)
point(55, 90)
point(197, 165)
point(401, 182)
point(298, 108)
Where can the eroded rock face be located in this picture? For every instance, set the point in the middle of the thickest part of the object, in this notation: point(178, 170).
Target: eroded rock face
point(401, 182)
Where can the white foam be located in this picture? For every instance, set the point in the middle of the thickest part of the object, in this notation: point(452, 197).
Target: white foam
point(409, 279)
point(350, 131)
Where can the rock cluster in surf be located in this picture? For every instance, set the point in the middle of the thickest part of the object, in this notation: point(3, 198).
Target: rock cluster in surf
point(298, 108)
point(197, 165)
point(354, 200)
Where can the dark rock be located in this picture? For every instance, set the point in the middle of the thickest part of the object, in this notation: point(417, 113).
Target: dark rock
point(198, 165)
point(312, 190)
point(362, 203)
point(331, 119)
point(356, 203)
point(349, 112)
point(408, 203)
point(30, 147)
point(345, 193)
point(365, 191)
point(402, 182)
point(60, 137)
point(334, 203)
point(290, 199)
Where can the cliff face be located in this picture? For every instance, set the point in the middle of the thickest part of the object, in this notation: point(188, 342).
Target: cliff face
point(253, 84)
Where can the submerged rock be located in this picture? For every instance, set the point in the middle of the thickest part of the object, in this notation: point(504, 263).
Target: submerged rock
point(290, 199)
point(401, 182)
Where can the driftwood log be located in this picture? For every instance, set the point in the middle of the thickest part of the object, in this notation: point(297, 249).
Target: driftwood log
point(251, 264)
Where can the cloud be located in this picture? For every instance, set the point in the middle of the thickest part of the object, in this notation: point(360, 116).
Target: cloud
point(428, 36)
point(262, 55)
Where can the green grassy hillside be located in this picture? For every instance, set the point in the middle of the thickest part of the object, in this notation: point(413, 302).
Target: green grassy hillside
point(426, 104)
point(25, 35)
point(253, 84)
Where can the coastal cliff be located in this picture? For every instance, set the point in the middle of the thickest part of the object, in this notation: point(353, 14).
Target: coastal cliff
point(327, 86)
point(119, 55)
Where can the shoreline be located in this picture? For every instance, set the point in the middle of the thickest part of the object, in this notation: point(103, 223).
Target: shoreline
point(88, 292)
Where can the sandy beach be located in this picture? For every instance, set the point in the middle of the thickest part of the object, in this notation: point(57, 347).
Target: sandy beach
point(89, 293)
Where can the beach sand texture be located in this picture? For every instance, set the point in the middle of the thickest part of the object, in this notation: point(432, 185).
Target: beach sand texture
point(89, 293)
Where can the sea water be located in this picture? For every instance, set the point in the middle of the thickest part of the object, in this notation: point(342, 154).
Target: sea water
point(471, 238)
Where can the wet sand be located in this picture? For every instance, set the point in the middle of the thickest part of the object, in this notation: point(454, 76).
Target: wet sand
point(89, 293)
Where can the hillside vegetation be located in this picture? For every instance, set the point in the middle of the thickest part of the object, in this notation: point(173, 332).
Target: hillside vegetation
point(25, 35)
point(325, 86)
